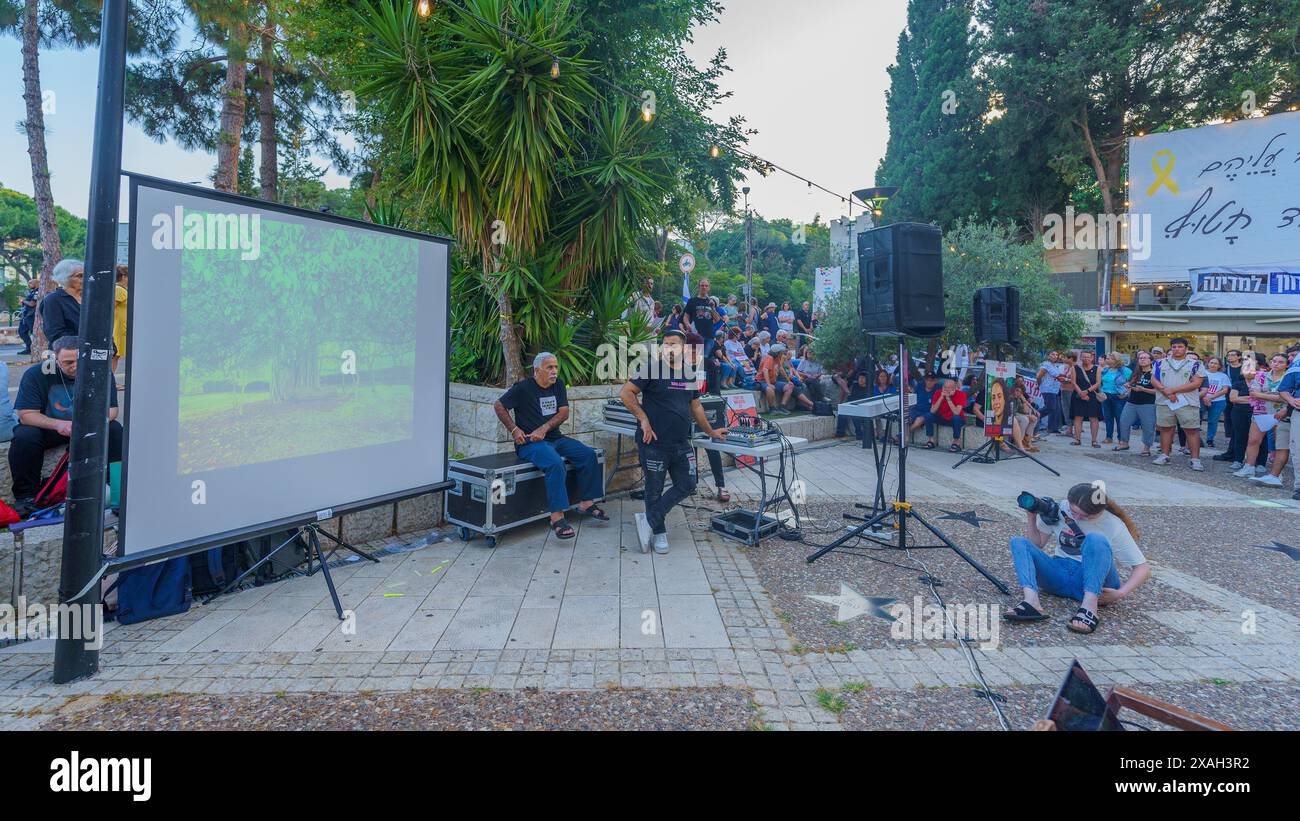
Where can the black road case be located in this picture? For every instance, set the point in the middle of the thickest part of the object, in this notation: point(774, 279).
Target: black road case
point(521, 496)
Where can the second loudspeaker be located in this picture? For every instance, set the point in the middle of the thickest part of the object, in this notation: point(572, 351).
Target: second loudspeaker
point(997, 315)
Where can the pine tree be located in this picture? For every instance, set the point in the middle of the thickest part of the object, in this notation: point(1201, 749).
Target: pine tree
point(936, 107)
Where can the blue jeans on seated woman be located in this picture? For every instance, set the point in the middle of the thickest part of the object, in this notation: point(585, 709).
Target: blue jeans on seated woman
point(1062, 576)
point(549, 458)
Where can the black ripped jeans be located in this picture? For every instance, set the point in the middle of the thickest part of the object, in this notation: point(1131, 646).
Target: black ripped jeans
point(666, 461)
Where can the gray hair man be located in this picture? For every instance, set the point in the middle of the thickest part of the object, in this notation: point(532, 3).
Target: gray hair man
point(541, 406)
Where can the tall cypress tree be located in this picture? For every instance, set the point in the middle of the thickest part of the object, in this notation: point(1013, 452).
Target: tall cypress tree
point(936, 107)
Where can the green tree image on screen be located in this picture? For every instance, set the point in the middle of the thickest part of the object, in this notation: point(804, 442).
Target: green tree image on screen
point(307, 349)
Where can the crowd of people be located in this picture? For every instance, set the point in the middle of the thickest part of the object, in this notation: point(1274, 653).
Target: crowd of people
point(40, 417)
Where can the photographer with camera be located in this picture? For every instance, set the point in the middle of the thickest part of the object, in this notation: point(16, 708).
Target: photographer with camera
point(1092, 535)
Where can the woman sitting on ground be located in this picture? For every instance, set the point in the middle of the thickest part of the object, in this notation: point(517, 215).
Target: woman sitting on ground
point(1092, 534)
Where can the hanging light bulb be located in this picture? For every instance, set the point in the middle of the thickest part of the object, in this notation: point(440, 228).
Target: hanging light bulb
point(423, 7)
point(555, 69)
point(647, 113)
point(715, 152)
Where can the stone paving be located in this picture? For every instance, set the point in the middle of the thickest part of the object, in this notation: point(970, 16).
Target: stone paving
point(594, 614)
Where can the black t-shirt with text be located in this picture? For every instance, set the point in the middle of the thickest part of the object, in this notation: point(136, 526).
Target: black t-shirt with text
point(700, 310)
point(534, 406)
point(50, 393)
point(1138, 397)
point(667, 403)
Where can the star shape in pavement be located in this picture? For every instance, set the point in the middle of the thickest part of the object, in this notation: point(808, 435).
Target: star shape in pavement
point(1287, 550)
point(970, 517)
point(852, 604)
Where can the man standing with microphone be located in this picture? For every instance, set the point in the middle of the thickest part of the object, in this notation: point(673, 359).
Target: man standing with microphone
point(665, 401)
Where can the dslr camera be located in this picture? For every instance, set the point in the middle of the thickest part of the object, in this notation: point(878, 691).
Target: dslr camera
point(1046, 507)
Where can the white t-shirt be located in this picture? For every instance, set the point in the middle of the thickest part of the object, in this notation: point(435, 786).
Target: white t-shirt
point(1069, 534)
point(785, 320)
point(734, 348)
point(1215, 381)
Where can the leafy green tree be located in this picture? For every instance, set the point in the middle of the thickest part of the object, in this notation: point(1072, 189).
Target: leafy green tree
point(978, 255)
point(20, 233)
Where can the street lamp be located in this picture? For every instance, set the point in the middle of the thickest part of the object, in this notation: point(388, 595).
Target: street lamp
point(749, 250)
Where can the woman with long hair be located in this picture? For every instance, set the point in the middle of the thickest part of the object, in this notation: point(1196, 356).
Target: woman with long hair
point(1086, 404)
point(1267, 409)
point(1140, 407)
point(1092, 534)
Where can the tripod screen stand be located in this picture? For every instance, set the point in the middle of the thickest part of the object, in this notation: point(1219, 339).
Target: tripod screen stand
point(899, 513)
point(991, 453)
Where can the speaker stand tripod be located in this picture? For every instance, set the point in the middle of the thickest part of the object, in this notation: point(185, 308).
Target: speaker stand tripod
point(898, 514)
point(990, 453)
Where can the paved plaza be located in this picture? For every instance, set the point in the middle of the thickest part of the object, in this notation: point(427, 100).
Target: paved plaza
point(719, 632)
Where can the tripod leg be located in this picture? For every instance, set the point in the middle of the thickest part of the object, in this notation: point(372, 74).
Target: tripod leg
point(314, 545)
point(852, 534)
point(1030, 457)
point(235, 583)
point(992, 443)
point(970, 560)
point(363, 554)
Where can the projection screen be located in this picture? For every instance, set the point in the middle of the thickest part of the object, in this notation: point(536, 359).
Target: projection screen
point(283, 366)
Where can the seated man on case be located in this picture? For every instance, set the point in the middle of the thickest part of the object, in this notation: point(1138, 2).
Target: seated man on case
point(541, 405)
point(44, 407)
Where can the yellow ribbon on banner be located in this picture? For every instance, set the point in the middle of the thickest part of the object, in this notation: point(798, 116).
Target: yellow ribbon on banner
point(1162, 174)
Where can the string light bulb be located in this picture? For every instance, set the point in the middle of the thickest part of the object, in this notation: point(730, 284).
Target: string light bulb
point(715, 152)
point(555, 69)
point(423, 7)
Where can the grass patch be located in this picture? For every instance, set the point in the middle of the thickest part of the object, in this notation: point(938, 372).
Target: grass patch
point(831, 702)
point(855, 686)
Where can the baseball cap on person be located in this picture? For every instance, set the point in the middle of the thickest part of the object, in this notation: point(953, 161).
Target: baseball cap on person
point(674, 332)
point(771, 304)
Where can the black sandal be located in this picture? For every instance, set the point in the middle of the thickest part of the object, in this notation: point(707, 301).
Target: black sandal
point(596, 512)
point(563, 530)
point(1024, 612)
point(928, 446)
point(1086, 617)
point(954, 448)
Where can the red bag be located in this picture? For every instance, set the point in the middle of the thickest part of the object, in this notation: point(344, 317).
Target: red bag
point(55, 489)
point(8, 515)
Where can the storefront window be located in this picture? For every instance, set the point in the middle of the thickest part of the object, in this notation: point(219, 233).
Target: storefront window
point(1126, 342)
point(1259, 343)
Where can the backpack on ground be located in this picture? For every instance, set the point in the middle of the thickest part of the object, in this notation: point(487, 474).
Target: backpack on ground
point(55, 489)
point(213, 569)
point(154, 591)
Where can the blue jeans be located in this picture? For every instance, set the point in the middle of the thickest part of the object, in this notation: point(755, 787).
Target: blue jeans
point(1052, 411)
point(676, 462)
point(1063, 576)
point(1112, 408)
point(1215, 413)
point(956, 423)
point(1134, 415)
point(549, 458)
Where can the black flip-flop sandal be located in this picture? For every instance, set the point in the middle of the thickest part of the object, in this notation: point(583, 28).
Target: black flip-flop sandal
point(723, 496)
point(1085, 616)
point(596, 512)
point(563, 530)
point(928, 446)
point(1024, 612)
point(954, 448)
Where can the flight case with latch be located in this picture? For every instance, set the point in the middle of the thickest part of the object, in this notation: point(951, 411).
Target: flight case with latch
point(520, 493)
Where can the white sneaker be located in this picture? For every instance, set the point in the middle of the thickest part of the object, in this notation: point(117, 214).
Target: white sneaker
point(643, 532)
point(1196, 465)
point(661, 543)
point(1269, 479)
point(1162, 459)
point(1260, 470)
point(1246, 472)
